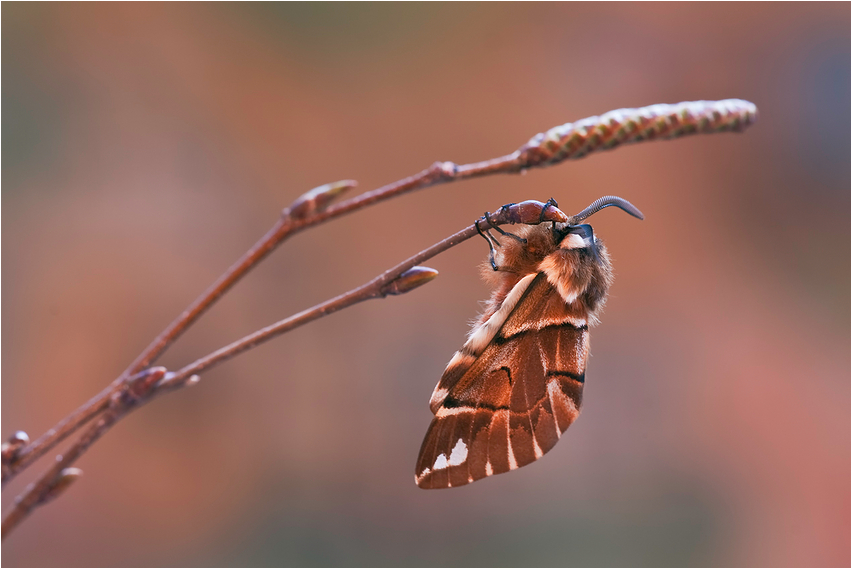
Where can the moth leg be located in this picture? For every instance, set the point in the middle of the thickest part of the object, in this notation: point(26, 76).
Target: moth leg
point(488, 230)
point(547, 204)
point(487, 236)
point(500, 231)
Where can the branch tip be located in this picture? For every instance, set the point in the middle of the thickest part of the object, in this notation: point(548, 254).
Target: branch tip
point(66, 477)
point(318, 199)
point(20, 438)
point(409, 280)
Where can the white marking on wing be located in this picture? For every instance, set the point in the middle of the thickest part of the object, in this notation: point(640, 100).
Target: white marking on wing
point(440, 462)
point(488, 470)
point(458, 359)
point(438, 395)
point(546, 320)
point(446, 411)
point(551, 386)
point(536, 449)
point(543, 355)
point(459, 453)
point(482, 335)
point(513, 464)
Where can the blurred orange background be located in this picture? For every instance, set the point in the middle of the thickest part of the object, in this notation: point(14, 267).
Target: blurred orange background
point(146, 146)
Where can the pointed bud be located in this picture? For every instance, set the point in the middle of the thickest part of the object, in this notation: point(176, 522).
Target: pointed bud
point(66, 477)
point(9, 450)
point(409, 280)
point(142, 383)
point(19, 438)
point(318, 199)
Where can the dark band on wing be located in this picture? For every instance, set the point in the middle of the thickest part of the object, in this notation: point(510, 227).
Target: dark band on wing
point(500, 339)
point(581, 377)
point(452, 403)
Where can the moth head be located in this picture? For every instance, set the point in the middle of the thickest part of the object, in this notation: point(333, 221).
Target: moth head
point(580, 267)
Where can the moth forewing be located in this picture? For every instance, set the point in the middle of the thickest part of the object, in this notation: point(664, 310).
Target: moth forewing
point(479, 339)
point(516, 385)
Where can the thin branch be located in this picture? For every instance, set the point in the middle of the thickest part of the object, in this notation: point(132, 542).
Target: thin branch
point(529, 212)
point(569, 141)
point(142, 387)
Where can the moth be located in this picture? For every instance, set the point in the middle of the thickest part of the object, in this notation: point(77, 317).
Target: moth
point(516, 385)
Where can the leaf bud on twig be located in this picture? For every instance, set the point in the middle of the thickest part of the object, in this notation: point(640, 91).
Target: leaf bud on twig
point(409, 280)
point(10, 449)
point(318, 199)
point(140, 385)
point(66, 477)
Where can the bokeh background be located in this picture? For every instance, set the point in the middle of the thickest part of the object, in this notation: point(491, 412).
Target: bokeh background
point(146, 146)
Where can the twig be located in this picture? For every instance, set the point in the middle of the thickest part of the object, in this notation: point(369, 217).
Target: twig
point(142, 387)
point(569, 141)
point(529, 212)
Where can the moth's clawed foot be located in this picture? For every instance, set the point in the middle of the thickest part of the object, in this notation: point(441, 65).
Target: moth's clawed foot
point(505, 207)
point(549, 203)
point(488, 238)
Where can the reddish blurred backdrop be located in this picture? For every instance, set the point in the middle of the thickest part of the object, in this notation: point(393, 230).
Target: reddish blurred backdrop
point(146, 146)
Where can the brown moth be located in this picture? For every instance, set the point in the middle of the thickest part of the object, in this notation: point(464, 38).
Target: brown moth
point(516, 385)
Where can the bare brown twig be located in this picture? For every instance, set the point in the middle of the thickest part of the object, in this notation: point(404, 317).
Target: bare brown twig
point(569, 141)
